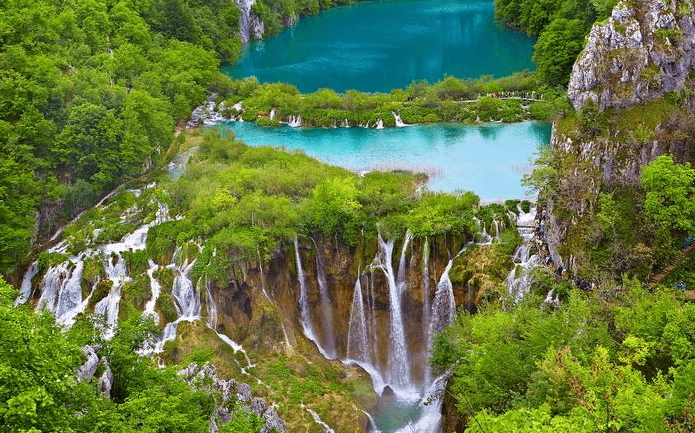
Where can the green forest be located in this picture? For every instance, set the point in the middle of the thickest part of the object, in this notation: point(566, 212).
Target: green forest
point(94, 95)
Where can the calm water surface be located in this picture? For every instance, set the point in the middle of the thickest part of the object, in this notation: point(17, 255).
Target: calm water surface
point(488, 160)
point(379, 46)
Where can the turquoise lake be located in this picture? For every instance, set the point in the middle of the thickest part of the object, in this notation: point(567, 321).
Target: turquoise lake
point(380, 46)
point(488, 159)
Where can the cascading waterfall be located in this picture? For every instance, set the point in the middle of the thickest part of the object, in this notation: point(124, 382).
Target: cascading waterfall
point(326, 310)
point(307, 326)
point(187, 302)
point(211, 322)
point(399, 121)
point(25, 288)
point(426, 300)
point(156, 289)
point(107, 307)
point(345, 124)
point(245, 20)
point(294, 121)
point(357, 344)
point(443, 307)
point(61, 291)
point(379, 124)
point(399, 365)
point(499, 226)
point(519, 278)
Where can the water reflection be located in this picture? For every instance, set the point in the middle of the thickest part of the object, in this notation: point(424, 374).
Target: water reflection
point(379, 46)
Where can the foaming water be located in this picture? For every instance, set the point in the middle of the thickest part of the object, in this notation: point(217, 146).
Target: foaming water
point(484, 159)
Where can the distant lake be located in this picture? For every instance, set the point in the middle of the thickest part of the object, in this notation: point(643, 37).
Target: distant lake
point(487, 159)
point(380, 46)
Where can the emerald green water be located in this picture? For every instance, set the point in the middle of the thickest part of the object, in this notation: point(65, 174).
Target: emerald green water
point(488, 160)
point(383, 45)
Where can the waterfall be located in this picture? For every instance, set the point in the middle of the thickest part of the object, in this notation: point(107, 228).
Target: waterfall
point(271, 116)
point(397, 118)
point(307, 326)
point(61, 291)
point(186, 296)
point(326, 308)
point(426, 302)
point(318, 420)
point(187, 303)
point(379, 124)
point(294, 121)
point(345, 124)
point(519, 278)
point(443, 307)
point(211, 319)
point(211, 322)
point(156, 289)
point(117, 273)
point(399, 365)
point(25, 288)
point(357, 344)
point(371, 321)
point(245, 20)
point(303, 295)
point(482, 234)
point(401, 263)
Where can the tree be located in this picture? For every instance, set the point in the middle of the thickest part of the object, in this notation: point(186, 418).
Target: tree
point(670, 197)
point(557, 49)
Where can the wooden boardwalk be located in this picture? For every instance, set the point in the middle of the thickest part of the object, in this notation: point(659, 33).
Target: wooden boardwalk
point(673, 264)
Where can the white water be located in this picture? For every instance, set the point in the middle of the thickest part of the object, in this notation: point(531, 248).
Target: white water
point(318, 421)
point(399, 364)
point(156, 289)
point(397, 118)
point(357, 345)
point(431, 404)
point(519, 278)
point(245, 20)
point(108, 306)
point(304, 303)
point(443, 307)
point(379, 124)
point(25, 288)
point(61, 291)
point(294, 121)
point(326, 310)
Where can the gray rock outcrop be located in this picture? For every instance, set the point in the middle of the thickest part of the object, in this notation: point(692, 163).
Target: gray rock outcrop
point(231, 391)
point(644, 50)
point(251, 26)
point(87, 370)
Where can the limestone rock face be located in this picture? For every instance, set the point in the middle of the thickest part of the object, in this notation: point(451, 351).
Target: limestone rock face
point(642, 51)
point(330, 262)
point(231, 391)
point(251, 26)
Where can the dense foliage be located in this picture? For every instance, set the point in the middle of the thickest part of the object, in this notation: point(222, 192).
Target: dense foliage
point(560, 26)
point(509, 99)
point(626, 365)
point(628, 221)
point(39, 389)
point(246, 202)
point(90, 93)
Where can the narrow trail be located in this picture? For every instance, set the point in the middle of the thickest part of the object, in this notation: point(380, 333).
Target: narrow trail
point(673, 264)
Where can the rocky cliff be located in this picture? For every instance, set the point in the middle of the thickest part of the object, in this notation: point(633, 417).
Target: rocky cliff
point(250, 25)
point(644, 50)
